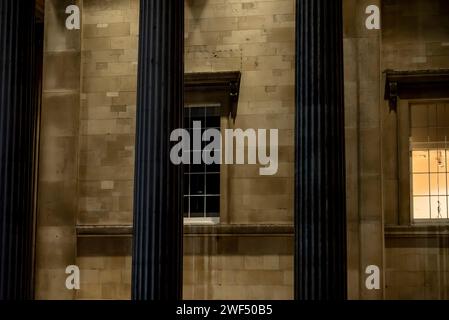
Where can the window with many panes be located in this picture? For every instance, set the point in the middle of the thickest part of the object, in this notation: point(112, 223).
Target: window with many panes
point(429, 161)
point(201, 181)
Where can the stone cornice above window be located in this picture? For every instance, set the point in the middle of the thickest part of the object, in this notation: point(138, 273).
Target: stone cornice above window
point(419, 84)
point(221, 87)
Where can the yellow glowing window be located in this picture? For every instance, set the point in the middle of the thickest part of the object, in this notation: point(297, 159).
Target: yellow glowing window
point(429, 177)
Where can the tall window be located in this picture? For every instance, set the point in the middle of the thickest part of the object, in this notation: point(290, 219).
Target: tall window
point(429, 161)
point(201, 181)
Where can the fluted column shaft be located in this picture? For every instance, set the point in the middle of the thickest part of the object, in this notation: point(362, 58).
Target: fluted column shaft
point(157, 245)
point(18, 112)
point(320, 209)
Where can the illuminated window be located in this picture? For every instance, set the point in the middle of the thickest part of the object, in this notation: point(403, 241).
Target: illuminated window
point(429, 151)
point(429, 181)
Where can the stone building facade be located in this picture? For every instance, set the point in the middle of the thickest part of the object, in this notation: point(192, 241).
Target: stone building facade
point(87, 150)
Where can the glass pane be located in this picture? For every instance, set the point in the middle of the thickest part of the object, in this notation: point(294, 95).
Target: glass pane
point(420, 184)
point(421, 209)
point(187, 123)
point(213, 183)
point(196, 207)
point(215, 168)
point(197, 184)
point(198, 113)
point(438, 207)
point(437, 160)
point(213, 122)
point(442, 160)
point(420, 161)
point(197, 168)
point(212, 206)
point(438, 184)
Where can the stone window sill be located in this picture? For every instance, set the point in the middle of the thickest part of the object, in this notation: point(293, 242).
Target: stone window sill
point(419, 230)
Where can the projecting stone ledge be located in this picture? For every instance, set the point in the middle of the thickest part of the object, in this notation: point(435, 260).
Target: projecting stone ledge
point(415, 84)
point(192, 230)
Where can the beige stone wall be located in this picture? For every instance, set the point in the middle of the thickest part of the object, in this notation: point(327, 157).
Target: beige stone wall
point(105, 263)
point(363, 148)
point(238, 267)
point(87, 147)
point(415, 34)
point(107, 128)
point(58, 155)
point(417, 269)
point(108, 108)
point(215, 267)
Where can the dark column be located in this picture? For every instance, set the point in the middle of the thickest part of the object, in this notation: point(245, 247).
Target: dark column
point(18, 113)
point(320, 210)
point(157, 245)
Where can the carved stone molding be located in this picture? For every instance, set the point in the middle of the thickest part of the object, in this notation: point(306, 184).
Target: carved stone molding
point(421, 84)
point(221, 87)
